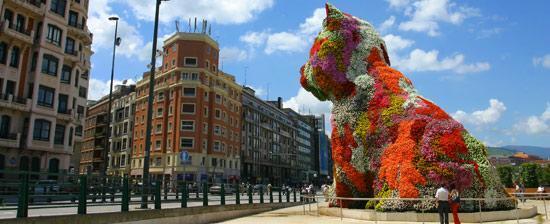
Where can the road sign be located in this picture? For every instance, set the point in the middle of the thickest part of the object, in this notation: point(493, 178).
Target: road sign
point(184, 157)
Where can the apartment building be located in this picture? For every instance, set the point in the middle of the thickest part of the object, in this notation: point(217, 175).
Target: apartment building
point(95, 137)
point(196, 112)
point(44, 65)
point(122, 126)
point(305, 145)
point(268, 147)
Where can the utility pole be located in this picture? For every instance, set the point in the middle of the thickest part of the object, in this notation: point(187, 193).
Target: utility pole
point(149, 127)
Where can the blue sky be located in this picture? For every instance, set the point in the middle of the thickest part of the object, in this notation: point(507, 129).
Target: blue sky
point(487, 63)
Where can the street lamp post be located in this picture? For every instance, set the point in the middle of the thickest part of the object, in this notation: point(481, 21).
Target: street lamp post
point(116, 41)
point(145, 185)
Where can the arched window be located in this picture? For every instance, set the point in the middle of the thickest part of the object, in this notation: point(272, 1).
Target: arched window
point(2, 165)
point(53, 167)
point(24, 163)
point(5, 126)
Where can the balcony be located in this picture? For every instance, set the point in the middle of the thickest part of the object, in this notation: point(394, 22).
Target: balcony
point(10, 140)
point(20, 34)
point(32, 6)
point(66, 115)
point(15, 103)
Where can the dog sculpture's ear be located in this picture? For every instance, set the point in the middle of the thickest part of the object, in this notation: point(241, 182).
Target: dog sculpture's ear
point(332, 12)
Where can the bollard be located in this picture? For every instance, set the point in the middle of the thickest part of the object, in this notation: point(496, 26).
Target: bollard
point(222, 195)
point(294, 193)
point(545, 211)
point(184, 195)
point(177, 191)
point(341, 214)
point(287, 195)
point(261, 195)
point(480, 218)
point(271, 195)
point(237, 194)
point(103, 193)
point(204, 194)
point(280, 198)
point(249, 194)
point(125, 195)
point(157, 195)
point(23, 201)
point(112, 192)
point(197, 192)
point(82, 195)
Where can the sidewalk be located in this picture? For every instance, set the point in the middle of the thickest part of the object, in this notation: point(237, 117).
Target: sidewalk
point(295, 215)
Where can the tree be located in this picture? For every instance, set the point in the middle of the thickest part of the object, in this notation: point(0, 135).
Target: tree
point(544, 175)
point(529, 174)
point(505, 173)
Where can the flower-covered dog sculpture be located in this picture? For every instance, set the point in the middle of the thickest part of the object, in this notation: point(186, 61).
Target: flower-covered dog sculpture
point(387, 140)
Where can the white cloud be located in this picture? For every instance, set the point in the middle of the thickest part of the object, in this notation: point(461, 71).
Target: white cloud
point(285, 42)
point(398, 3)
point(99, 88)
point(104, 31)
point(312, 25)
point(482, 117)
point(395, 43)
point(258, 91)
point(233, 54)
point(420, 60)
point(544, 61)
point(426, 15)
point(220, 12)
point(255, 38)
point(535, 124)
point(387, 24)
point(305, 102)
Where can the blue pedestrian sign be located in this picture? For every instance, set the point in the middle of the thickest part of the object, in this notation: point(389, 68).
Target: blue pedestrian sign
point(184, 157)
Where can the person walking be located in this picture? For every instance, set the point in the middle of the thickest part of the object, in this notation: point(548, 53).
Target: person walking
point(442, 196)
point(455, 205)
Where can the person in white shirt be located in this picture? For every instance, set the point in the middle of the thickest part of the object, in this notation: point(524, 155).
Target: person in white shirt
point(442, 196)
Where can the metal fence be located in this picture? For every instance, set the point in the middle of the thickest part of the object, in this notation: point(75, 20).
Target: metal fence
point(517, 197)
point(30, 191)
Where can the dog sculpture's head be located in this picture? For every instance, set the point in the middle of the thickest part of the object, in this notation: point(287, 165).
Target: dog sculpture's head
point(338, 57)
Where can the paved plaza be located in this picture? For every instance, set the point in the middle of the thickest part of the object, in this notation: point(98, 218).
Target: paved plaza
point(295, 215)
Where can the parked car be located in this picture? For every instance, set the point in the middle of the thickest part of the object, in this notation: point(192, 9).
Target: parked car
point(46, 186)
point(216, 189)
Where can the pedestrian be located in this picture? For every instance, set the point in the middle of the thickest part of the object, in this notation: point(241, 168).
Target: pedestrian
point(269, 188)
point(442, 197)
point(455, 205)
point(540, 191)
point(522, 191)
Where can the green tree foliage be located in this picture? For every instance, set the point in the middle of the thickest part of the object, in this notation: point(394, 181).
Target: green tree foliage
point(505, 173)
point(544, 175)
point(530, 174)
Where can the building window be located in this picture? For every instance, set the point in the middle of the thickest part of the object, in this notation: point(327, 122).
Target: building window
point(187, 125)
point(190, 61)
point(59, 137)
point(41, 130)
point(158, 128)
point(187, 142)
point(123, 161)
point(207, 64)
point(3, 52)
point(20, 24)
point(189, 92)
point(188, 108)
point(218, 114)
point(73, 18)
point(157, 144)
point(49, 64)
point(63, 103)
point(82, 92)
point(217, 130)
point(185, 76)
point(58, 6)
point(161, 96)
point(218, 98)
point(217, 147)
point(194, 76)
point(45, 96)
point(66, 74)
point(69, 46)
point(159, 112)
point(54, 35)
point(14, 59)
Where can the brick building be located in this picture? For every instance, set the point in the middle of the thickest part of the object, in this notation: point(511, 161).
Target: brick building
point(196, 110)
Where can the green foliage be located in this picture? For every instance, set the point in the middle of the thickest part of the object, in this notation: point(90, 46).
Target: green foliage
point(544, 175)
point(530, 174)
point(505, 173)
